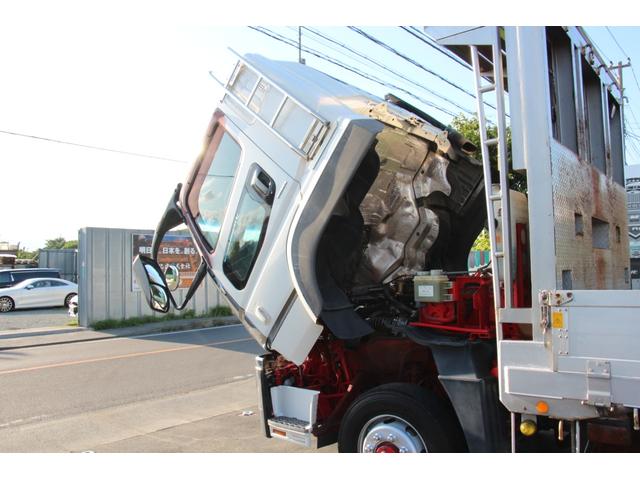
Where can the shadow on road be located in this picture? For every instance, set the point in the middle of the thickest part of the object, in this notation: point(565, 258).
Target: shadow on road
point(10, 353)
point(234, 338)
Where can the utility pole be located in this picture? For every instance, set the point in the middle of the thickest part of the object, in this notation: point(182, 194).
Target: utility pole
point(619, 68)
point(300, 59)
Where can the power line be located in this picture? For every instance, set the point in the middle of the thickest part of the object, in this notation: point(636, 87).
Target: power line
point(411, 60)
point(353, 70)
point(417, 64)
point(387, 69)
point(424, 39)
point(615, 40)
point(627, 126)
point(93, 147)
point(331, 47)
point(633, 73)
point(632, 142)
point(633, 149)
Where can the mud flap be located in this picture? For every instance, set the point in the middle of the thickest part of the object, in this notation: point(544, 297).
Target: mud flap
point(464, 372)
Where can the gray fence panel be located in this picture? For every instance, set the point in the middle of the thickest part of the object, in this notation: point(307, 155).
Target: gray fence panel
point(104, 279)
point(65, 260)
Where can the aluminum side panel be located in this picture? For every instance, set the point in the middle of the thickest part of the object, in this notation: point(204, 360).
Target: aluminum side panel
point(601, 332)
point(297, 334)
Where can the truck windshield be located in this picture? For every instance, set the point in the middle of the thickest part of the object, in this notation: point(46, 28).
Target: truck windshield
point(209, 194)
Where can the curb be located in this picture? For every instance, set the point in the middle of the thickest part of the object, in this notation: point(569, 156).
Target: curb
point(89, 335)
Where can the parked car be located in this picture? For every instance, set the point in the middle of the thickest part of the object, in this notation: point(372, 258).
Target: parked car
point(73, 306)
point(11, 277)
point(38, 292)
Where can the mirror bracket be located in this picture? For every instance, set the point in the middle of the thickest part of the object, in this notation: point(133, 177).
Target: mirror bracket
point(140, 265)
point(172, 218)
point(195, 283)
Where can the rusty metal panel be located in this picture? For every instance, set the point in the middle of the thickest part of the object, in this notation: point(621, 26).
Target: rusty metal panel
point(590, 216)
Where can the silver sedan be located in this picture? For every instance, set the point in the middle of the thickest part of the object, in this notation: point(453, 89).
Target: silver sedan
point(37, 292)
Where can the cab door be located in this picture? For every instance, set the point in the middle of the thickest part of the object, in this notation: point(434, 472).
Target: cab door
point(241, 202)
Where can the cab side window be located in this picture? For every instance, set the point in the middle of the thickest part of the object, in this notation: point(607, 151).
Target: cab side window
point(208, 198)
point(249, 227)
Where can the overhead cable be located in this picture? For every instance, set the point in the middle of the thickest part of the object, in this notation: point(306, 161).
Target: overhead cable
point(387, 69)
point(93, 147)
point(633, 72)
point(353, 70)
point(417, 64)
point(424, 39)
point(411, 60)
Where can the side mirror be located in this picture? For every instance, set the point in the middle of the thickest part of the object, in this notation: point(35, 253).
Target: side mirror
point(29, 287)
point(153, 284)
point(172, 276)
point(156, 284)
point(157, 289)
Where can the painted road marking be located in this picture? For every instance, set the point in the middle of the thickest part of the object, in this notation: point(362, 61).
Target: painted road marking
point(177, 332)
point(126, 355)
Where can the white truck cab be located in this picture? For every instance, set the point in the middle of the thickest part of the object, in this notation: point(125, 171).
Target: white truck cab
point(338, 226)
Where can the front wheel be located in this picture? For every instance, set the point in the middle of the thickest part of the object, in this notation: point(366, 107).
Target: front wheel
point(6, 304)
point(397, 418)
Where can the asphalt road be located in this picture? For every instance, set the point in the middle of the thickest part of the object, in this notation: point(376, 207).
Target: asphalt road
point(34, 318)
point(184, 391)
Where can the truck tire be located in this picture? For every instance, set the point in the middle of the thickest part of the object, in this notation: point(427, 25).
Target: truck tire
point(398, 418)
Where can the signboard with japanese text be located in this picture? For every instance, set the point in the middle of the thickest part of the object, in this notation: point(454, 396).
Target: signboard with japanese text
point(176, 249)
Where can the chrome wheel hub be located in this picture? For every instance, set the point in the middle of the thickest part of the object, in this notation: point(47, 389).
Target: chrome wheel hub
point(390, 434)
point(5, 305)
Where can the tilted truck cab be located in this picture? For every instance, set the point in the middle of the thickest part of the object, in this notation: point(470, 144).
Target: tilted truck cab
point(338, 225)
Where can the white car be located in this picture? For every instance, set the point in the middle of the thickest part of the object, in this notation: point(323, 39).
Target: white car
point(38, 292)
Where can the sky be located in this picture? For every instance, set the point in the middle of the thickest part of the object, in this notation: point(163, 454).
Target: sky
point(141, 86)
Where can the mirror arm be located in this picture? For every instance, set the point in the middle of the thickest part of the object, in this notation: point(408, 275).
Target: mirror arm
point(201, 273)
point(172, 218)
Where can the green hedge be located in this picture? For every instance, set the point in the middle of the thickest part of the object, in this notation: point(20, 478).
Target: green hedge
point(132, 322)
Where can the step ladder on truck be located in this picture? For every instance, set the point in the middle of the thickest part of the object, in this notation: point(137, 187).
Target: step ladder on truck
point(337, 225)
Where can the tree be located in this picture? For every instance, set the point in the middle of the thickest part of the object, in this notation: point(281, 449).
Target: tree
point(60, 243)
point(71, 244)
point(23, 253)
point(482, 242)
point(55, 243)
point(470, 128)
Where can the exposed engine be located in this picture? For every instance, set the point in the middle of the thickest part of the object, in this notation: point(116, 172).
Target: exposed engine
point(411, 207)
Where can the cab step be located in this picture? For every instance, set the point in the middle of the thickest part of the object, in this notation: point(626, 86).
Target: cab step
point(292, 429)
point(294, 412)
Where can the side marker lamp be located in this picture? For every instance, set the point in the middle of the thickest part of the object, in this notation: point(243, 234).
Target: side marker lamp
point(542, 407)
